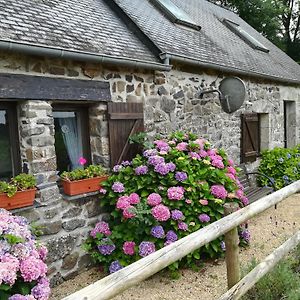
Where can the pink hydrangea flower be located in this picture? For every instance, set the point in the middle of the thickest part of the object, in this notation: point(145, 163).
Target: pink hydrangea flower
point(128, 248)
point(82, 161)
point(231, 170)
point(188, 201)
point(32, 268)
point(203, 202)
point(230, 162)
point(129, 212)
point(202, 153)
point(182, 146)
point(162, 145)
point(134, 198)
point(217, 163)
point(231, 176)
point(200, 142)
point(100, 227)
point(43, 252)
point(175, 193)
point(123, 202)
point(245, 200)
point(239, 193)
point(218, 191)
point(211, 152)
point(161, 213)
point(154, 199)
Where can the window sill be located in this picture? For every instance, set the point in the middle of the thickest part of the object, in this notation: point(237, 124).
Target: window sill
point(79, 197)
point(36, 204)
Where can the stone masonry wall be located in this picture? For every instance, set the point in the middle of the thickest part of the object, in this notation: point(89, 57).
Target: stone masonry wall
point(169, 104)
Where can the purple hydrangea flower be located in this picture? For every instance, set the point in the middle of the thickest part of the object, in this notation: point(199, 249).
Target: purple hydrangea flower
point(146, 248)
point(162, 169)
point(223, 247)
point(41, 290)
point(118, 187)
point(126, 163)
point(171, 236)
point(245, 234)
point(176, 214)
point(181, 176)
point(158, 232)
point(155, 160)
point(117, 168)
point(149, 152)
point(171, 167)
point(115, 266)
point(141, 170)
point(204, 218)
point(106, 247)
point(182, 226)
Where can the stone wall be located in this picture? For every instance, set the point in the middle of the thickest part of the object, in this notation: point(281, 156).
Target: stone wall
point(169, 104)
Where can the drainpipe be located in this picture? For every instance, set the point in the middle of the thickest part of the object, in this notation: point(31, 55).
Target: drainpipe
point(195, 62)
point(54, 52)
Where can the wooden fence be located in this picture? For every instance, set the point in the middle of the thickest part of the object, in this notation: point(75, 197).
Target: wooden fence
point(120, 281)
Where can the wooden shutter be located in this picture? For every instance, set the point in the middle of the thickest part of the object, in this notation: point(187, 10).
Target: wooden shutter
point(125, 119)
point(250, 137)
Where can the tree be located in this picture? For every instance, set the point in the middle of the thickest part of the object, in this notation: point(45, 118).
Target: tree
point(278, 20)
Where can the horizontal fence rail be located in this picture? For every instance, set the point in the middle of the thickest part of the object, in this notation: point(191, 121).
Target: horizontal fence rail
point(262, 269)
point(120, 281)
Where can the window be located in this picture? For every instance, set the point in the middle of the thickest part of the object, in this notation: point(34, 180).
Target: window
point(9, 146)
point(245, 36)
point(71, 136)
point(175, 14)
point(250, 143)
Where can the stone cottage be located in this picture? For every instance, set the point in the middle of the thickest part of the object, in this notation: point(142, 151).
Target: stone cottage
point(99, 70)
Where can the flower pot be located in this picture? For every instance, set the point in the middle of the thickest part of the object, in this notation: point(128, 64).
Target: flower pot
point(20, 199)
point(83, 186)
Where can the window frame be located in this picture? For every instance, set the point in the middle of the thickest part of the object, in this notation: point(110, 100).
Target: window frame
point(255, 118)
point(83, 111)
point(13, 136)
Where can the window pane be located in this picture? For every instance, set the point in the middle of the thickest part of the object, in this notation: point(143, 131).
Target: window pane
point(6, 163)
point(68, 139)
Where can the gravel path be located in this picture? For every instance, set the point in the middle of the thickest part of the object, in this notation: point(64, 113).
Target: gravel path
point(269, 230)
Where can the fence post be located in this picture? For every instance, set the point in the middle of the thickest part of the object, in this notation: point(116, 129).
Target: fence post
point(232, 249)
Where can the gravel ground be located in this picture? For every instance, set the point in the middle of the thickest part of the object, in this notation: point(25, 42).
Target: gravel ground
point(269, 230)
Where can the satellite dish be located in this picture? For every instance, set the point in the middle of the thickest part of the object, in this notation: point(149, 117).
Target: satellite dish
point(232, 94)
point(233, 91)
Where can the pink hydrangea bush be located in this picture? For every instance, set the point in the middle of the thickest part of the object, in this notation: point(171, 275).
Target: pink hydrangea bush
point(22, 261)
point(174, 188)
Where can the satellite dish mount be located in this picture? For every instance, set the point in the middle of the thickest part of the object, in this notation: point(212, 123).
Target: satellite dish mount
point(232, 94)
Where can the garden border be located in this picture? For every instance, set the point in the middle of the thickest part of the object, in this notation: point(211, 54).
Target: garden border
point(118, 282)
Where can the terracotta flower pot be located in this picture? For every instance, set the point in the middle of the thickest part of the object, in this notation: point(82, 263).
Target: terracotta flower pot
point(83, 186)
point(20, 199)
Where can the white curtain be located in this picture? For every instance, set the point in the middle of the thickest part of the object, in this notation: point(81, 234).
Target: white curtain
point(71, 139)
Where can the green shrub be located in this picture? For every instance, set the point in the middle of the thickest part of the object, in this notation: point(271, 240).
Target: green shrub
point(283, 282)
point(20, 182)
point(282, 165)
point(176, 187)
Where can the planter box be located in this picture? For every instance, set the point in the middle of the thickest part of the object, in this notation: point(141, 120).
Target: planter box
point(83, 186)
point(20, 199)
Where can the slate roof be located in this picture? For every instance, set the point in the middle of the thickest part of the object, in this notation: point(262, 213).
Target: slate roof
point(214, 43)
point(84, 25)
point(93, 26)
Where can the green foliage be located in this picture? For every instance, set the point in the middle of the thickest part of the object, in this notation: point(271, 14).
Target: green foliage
point(282, 165)
point(20, 182)
point(89, 172)
point(281, 283)
point(194, 173)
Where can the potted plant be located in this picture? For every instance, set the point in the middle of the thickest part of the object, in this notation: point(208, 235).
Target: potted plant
point(19, 192)
point(80, 181)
